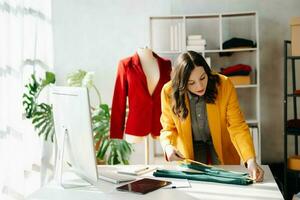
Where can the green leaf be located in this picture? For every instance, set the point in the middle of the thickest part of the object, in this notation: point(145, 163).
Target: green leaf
point(41, 122)
point(75, 79)
point(103, 148)
point(113, 158)
point(42, 130)
point(37, 118)
point(47, 131)
point(105, 108)
point(50, 77)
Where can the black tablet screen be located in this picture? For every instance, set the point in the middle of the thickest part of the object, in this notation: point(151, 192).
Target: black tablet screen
point(143, 186)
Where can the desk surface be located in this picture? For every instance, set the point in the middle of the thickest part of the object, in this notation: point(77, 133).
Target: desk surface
point(266, 190)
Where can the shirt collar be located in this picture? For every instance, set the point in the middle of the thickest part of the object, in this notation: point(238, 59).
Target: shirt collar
point(194, 97)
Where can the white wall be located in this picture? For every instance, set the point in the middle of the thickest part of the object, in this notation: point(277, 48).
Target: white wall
point(95, 35)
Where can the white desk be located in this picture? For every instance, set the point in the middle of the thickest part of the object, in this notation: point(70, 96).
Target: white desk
point(266, 190)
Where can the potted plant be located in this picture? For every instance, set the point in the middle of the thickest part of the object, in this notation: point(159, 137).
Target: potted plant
point(108, 151)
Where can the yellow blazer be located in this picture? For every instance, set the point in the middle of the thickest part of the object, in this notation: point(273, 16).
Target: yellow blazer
point(229, 131)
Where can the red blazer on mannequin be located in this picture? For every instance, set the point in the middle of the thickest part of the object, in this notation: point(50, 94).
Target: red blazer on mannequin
point(144, 110)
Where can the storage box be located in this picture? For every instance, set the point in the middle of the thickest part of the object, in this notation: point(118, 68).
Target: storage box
point(294, 163)
point(295, 35)
point(240, 80)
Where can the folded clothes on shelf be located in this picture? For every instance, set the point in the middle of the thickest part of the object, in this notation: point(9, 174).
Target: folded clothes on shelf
point(239, 69)
point(294, 123)
point(234, 43)
point(238, 42)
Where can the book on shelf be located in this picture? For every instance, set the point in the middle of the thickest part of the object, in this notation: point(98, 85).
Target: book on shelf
point(176, 36)
point(194, 37)
point(195, 48)
point(201, 42)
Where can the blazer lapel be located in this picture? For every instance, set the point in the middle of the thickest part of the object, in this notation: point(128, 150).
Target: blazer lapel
point(214, 123)
point(161, 74)
point(186, 129)
point(138, 67)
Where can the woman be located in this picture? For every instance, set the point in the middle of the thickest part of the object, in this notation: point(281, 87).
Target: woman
point(201, 117)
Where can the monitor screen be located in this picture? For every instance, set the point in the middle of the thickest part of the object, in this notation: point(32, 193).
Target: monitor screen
point(73, 129)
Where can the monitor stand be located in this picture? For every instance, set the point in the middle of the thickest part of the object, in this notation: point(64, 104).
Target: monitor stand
point(60, 163)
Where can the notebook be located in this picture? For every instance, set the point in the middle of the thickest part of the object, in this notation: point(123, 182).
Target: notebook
point(114, 177)
point(136, 170)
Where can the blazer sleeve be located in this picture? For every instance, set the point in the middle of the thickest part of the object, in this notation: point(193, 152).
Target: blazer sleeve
point(169, 132)
point(118, 110)
point(237, 126)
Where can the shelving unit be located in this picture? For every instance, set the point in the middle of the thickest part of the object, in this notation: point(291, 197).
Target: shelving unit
point(290, 113)
point(216, 28)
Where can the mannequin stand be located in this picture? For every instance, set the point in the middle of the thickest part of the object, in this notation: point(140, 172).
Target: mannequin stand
point(147, 150)
point(135, 139)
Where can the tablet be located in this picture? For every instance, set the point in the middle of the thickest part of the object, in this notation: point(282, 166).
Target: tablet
point(143, 186)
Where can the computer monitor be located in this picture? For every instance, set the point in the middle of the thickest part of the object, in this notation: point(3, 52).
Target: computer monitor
point(73, 129)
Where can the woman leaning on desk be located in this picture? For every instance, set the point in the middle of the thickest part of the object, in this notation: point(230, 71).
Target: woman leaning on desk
point(201, 117)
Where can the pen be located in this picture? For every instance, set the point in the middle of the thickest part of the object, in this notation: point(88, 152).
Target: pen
point(173, 187)
point(182, 186)
point(140, 170)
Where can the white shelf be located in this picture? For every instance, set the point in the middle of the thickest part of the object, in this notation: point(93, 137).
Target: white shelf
point(205, 15)
point(213, 51)
point(246, 86)
point(252, 121)
point(239, 14)
point(166, 17)
point(230, 50)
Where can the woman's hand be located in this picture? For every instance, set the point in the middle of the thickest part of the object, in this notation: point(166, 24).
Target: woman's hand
point(255, 171)
point(172, 154)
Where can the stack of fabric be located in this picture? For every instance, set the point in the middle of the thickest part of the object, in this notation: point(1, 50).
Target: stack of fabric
point(195, 43)
point(239, 74)
point(206, 173)
point(234, 43)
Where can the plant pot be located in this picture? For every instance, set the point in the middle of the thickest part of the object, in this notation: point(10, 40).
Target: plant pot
point(100, 162)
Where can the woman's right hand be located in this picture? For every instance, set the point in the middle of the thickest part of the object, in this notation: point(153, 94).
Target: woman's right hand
point(173, 154)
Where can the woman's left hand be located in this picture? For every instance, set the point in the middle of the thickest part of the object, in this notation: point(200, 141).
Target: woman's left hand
point(255, 171)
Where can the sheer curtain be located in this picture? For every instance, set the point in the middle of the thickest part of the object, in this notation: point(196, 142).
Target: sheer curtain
point(25, 43)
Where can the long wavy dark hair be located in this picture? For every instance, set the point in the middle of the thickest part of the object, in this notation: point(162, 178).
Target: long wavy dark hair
point(185, 64)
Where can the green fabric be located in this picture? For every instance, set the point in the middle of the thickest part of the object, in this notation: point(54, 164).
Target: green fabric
point(214, 171)
point(210, 174)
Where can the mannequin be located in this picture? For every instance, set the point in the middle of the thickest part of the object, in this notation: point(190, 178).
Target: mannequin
point(150, 67)
point(151, 71)
point(138, 85)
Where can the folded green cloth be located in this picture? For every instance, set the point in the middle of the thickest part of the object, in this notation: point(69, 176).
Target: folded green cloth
point(214, 171)
point(204, 173)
